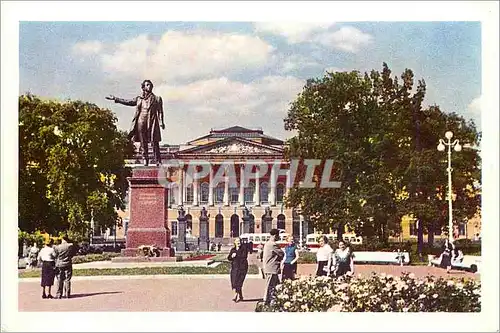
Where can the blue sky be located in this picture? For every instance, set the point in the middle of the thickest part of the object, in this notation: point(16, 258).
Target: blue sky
point(223, 74)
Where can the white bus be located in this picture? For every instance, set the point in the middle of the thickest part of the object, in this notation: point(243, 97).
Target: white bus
point(313, 245)
point(258, 239)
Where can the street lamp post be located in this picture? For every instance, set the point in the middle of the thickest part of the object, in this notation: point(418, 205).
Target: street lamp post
point(457, 147)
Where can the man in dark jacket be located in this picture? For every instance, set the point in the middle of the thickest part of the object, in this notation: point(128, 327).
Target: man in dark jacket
point(148, 119)
point(64, 267)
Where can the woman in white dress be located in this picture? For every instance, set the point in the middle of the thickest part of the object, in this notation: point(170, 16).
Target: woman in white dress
point(323, 257)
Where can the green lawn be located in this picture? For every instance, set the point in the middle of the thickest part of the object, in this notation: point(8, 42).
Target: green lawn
point(223, 268)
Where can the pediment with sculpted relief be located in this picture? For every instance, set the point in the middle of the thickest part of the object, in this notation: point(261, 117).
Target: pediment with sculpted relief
point(239, 148)
point(235, 147)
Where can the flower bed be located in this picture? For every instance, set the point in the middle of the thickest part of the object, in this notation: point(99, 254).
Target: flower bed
point(378, 293)
point(200, 257)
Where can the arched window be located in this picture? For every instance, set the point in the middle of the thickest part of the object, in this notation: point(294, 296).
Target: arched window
point(219, 193)
point(235, 225)
point(204, 189)
point(174, 228)
point(189, 222)
point(281, 221)
point(219, 225)
point(249, 191)
point(189, 193)
point(264, 192)
point(280, 192)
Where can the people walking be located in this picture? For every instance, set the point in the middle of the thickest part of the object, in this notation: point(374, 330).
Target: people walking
point(64, 266)
point(238, 256)
point(272, 257)
point(47, 257)
point(323, 257)
point(290, 260)
point(343, 260)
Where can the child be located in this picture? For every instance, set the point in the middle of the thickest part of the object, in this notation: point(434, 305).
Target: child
point(400, 257)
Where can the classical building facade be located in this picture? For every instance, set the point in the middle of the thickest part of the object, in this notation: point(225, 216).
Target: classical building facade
point(242, 177)
point(236, 191)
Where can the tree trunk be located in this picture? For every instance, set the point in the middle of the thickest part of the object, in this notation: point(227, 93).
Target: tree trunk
point(430, 235)
point(340, 231)
point(420, 237)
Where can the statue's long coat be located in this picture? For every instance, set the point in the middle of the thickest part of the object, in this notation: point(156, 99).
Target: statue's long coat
point(155, 115)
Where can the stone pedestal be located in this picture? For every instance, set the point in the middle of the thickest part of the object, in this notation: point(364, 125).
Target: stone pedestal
point(148, 223)
point(203, 234)
point(246, 225)
point(181, 238)
point(267, 224)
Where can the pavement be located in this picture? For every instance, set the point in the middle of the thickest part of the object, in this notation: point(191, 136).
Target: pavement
point(194, 293)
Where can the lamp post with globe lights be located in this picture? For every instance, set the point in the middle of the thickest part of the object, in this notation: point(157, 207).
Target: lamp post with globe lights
point(442, 147)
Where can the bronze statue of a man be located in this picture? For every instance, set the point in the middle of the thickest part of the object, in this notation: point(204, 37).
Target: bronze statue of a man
point(148, 119)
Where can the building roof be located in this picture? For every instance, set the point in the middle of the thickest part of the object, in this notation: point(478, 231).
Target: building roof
point(239, 131)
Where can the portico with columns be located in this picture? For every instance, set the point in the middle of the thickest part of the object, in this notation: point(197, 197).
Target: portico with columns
point(238, 168)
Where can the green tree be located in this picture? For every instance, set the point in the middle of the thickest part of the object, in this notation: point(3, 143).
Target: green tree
point(384, 147)
point(71, 164)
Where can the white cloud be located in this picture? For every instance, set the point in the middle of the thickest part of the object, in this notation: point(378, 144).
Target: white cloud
point(269, 94)
point(296, 62)
point(182, 55)
point(192, 109)
point(88, 47)
point(294, 32)
point(474, 110)
point(347, 39)
point(335, 69)
point(475, 106)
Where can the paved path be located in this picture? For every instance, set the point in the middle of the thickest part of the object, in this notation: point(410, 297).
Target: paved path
point(174, 293)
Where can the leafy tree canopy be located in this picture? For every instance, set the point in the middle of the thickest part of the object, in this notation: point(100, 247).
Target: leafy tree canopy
point(71, 165)
point(383, 144)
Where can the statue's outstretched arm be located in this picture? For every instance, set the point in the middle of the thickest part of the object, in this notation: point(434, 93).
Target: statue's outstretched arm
point(128, 102)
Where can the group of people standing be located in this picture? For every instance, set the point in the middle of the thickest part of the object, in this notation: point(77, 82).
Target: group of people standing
point(56, 261)
point(274, 260)
point(334, 263)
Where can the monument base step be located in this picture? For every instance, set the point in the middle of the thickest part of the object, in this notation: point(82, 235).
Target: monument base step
point(135, 253)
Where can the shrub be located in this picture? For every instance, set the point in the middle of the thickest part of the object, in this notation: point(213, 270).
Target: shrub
point(94, 257)
point(307, 258)
point(378, 293)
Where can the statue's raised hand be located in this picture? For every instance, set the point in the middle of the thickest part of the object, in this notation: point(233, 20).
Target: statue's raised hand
point(111, 97)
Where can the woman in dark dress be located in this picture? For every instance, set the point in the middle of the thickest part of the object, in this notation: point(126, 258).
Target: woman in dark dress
point(47, 257)
point(239, 268)
point(446, 255)
point(343, 260)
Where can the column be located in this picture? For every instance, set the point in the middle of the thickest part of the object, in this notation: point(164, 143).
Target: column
point(226, 191)
point(195, 192)
point(287, 185)
point(301, 222)
point(211, 187)
point(241, 196)
point(180, 185)
point(272, 183)
point(256, 194)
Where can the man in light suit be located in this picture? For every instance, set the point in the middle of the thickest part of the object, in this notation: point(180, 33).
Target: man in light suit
point(64, 267)
point(271, 261)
